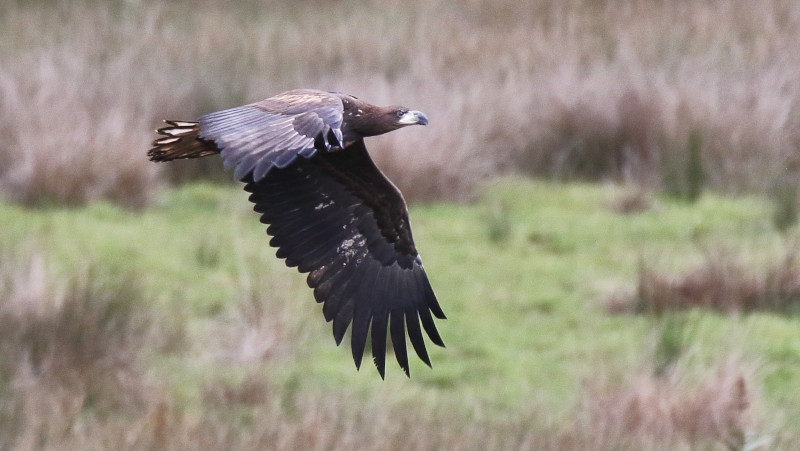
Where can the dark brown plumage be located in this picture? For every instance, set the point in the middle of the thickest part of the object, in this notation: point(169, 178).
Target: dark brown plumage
point(331, 212)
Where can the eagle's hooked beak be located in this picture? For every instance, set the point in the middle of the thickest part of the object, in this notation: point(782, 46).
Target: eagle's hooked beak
point(413, 117)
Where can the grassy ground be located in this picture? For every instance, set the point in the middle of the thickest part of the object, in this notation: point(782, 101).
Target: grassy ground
point(228, 341)
point(149, 318)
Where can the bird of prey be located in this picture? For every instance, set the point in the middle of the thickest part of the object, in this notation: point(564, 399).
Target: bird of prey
point(329, 209)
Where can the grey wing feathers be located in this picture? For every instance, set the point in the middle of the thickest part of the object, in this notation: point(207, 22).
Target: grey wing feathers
point(272, 133)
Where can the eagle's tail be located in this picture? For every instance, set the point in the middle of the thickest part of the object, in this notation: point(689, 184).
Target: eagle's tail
point(180, 140)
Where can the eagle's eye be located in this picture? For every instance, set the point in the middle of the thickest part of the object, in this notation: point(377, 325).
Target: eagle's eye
point(399, 113)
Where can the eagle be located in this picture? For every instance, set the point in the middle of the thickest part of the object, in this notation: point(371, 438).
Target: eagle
point(328, 208)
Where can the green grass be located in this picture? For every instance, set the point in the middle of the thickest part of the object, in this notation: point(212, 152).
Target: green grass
point(527, 320)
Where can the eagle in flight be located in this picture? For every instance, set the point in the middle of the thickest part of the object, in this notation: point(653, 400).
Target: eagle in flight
point(330, 211)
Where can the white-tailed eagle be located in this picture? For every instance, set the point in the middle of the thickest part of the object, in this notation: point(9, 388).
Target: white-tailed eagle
point(329, 209)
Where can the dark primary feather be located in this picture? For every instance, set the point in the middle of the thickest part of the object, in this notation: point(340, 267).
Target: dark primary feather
point(331, 212)
point(331, 215)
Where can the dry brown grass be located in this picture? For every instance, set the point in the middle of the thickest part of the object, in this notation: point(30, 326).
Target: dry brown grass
point(714, 411)
point(74, 375)
point(724, 282)
point(631, 202)
point(70, 350)
point(70, 109)
point(73, 350)
point(576, 88)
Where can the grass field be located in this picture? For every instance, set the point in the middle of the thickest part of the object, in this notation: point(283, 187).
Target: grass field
point(606, 201)
point(223, 346)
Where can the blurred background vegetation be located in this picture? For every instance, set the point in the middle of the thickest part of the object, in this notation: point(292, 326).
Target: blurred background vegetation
point(606, 200)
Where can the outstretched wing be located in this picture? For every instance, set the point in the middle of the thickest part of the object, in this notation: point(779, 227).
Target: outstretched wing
point(338, 218)
point(272, 133)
